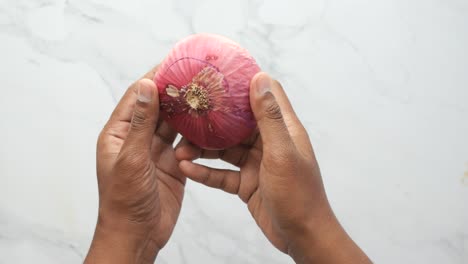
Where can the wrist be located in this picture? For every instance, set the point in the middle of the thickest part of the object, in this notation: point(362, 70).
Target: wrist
point(313, 237)
point(121, 243)
point(325, 241)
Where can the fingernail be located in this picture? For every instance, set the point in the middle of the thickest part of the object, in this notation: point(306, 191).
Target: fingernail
point(263, 83)
point(145, 91)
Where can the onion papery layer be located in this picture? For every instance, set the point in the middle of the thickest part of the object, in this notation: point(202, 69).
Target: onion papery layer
point(204, 91)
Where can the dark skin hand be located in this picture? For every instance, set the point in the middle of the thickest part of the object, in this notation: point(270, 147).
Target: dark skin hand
point(141, 181)
point(140, 185)
point(279, 180)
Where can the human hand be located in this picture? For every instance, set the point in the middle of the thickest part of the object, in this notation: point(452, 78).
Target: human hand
point(279, 180)
point(140, 185)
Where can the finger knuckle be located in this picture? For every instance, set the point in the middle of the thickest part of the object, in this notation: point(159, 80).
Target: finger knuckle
point(140, 118)
point(130, 162)
point(206, 178)
point(273, 111)
point(224, 183)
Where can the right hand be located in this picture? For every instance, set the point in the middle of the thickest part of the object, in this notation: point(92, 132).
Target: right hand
point(278, 177)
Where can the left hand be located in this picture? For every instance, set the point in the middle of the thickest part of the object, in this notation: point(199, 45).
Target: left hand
point(140, 185)
point(279, 180)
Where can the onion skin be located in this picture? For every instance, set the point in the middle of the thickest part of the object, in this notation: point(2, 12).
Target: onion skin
point(204, 87)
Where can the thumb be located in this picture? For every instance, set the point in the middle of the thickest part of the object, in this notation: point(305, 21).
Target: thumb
point(267, 112)
point(145, 117)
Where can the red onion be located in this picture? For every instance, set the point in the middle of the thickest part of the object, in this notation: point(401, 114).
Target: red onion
point(204, 90)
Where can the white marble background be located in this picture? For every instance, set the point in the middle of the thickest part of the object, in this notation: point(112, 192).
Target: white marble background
point(381, 85)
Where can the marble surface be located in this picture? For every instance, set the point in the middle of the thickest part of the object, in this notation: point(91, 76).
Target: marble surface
point(381, 85)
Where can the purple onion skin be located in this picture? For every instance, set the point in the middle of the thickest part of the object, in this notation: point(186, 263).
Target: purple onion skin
point(204, 87)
